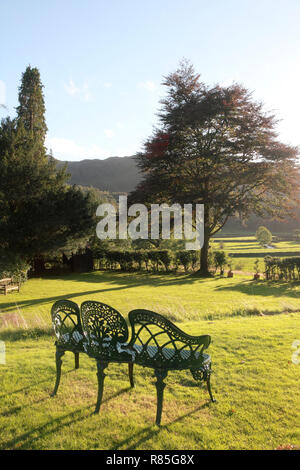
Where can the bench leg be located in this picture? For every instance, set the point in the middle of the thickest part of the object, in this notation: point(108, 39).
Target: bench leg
point(204, 374)
point(208, 385)
point(101, 376)
point(160, 374)
point(76, 354)
point(58, 356)
point(130, 372)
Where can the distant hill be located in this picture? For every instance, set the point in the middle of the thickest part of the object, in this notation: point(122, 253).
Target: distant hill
point(114, 174)
point(121, 174)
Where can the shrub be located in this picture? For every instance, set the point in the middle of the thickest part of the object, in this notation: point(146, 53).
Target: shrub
point(13, 266)
point(184, 258)
point(211, 263)
point(285, 268)
point(263, 236)
point(256, 266)
point(153, 257)
point(195, 259)
point(220, 261)
point(165, 258)
point(125, 260)
point(139, 257)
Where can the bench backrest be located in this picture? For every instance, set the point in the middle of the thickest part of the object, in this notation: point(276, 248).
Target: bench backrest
point(102, 323)
point(66, 321)
point(151, 329)
point(6, 281)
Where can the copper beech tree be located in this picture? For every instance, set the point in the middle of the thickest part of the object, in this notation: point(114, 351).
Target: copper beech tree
point(218, 147)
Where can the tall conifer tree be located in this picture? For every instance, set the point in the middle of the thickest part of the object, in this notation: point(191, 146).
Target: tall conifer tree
point(39, 212)
point(31, 110)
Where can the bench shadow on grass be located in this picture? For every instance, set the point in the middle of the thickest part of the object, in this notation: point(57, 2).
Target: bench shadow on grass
point(30, 387)
point(264, 288)
point(18, 409)
point(134, 441)
point(25, 440)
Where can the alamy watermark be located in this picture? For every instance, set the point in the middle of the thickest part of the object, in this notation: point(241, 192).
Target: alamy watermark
point(296, 353)
point(161, 221)
point(2, 353)
point(2, 94)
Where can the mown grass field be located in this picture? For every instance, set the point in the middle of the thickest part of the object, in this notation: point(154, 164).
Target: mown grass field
point(181, 297)
point(248, 245)
point(252, 324)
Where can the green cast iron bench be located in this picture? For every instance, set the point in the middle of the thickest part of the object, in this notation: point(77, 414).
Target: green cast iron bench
point(155, 343)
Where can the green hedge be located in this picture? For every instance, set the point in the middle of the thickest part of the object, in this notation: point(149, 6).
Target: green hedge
point(150, 260)
point(287, 269)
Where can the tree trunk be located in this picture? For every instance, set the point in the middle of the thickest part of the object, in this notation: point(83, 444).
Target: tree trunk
point(204, 271)
point(39, 265)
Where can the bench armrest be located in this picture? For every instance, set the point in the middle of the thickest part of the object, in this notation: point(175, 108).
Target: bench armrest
point(151, 329)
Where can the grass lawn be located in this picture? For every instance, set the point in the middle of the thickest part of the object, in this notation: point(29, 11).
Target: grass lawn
point(181, 297)
point(254, 380)
point(249, 245)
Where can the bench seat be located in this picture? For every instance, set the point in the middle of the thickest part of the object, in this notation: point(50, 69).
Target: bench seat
point(148, 356)
point(155, 354)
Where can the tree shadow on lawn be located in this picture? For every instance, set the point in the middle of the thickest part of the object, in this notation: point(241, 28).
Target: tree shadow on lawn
point(265, 288)
point(244, 247)
point(124, 281)
point(138, 278)
point(45, 300)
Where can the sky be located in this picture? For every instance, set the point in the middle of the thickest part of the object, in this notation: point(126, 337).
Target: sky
point(102, 63)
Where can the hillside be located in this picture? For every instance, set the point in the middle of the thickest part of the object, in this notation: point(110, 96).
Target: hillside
point(121, 174)
point(115, 174)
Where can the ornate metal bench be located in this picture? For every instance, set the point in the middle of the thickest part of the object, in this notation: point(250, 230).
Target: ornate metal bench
point(155, 343)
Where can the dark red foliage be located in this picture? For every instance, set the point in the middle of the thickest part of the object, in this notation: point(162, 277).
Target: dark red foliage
point(156, 147)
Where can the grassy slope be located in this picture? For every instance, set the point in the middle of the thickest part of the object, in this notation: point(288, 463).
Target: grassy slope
point(256, 385)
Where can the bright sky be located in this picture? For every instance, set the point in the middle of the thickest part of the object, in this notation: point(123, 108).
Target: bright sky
point(102, 62)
